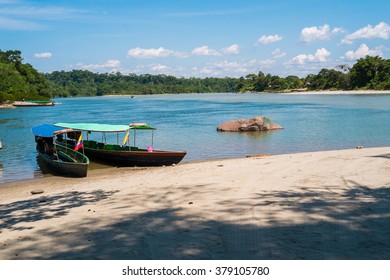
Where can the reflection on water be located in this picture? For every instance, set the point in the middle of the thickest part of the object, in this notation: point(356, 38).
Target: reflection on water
point(188, 122)
point(252, 135)
point(3, 121)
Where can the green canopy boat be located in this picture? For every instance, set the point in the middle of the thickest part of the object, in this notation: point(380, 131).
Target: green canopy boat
point(122, 153)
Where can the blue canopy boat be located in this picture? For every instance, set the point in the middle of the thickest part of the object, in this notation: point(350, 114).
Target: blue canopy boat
point(120, 154)
point(59, 159)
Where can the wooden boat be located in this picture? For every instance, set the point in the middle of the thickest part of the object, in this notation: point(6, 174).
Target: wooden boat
point(120, 155)
point(59, 159)
point(33, 103)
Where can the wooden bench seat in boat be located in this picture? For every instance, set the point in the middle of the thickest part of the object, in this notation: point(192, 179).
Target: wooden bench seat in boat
point(65, 157)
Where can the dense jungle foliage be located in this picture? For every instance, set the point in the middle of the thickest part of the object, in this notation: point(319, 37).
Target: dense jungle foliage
point(86, 83)
point(366, 73)
point(20, 81)
point(370, 73)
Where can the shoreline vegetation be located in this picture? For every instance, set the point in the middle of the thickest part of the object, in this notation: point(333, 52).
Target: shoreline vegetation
point(20, 81)
point(313, 205)
point(308, 92)
point(319, 92)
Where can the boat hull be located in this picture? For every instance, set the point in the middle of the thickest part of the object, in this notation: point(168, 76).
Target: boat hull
point(77, 168)
point(135, 158)
point(32, 104)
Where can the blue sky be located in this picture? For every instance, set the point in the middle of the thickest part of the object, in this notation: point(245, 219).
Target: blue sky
point(202, 38)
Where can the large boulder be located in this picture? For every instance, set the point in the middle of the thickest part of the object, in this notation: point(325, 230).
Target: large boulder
point(259, 123)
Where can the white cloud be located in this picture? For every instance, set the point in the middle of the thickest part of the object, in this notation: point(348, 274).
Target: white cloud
point(219, 69)
point(322, 33)
point(49, 12)
point(277, 53)
point(248, 66)
point(233, 49)
point(158, 67)
point(16, 24)
point(233, 68)
point(362, 51)
point(268, 39)
point(267, 63)
point(230, 66)
point(210, 13)
point(149, 53)
point(43, 55)
point(205, 71)
point(320, 56)
point(205, 50)
point(199, 51)
point(380, 31)
point(22, 15)
point(110, 64)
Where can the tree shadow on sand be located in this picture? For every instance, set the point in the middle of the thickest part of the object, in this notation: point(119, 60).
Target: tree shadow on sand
point(350, 224)
point(46, 207)
point(383, 156)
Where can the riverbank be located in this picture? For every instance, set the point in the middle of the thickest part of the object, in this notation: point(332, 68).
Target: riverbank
point(317, 205)
point(324, 92)
point(303, 92)
point(338, 92)
point(6, 106)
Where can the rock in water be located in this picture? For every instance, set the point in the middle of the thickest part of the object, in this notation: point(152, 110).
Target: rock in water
point(259, 123)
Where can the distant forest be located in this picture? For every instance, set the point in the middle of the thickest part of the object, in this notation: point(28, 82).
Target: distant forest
point(86, 83)
point(366, 73)
point(20, 81)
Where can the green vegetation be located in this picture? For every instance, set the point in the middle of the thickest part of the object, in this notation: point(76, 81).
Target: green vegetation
point(367, 73)
point(86, 83)
point(268, 83)
point(20, 81)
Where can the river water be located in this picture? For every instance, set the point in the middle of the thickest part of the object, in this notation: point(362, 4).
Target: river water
point(188, 122)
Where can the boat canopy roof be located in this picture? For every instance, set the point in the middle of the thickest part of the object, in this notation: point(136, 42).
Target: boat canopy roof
point(46, 130)
point(141, 126)
point(96, 127)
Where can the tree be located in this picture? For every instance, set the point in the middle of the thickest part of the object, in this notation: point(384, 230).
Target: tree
point(293, 82)
point(366, 70)
point(20, 81)
point(13, 57)
point(12, 83)
point(260, 83)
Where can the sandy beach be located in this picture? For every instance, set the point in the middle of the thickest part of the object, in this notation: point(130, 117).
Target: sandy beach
point(338, 92)
point(316, 205)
